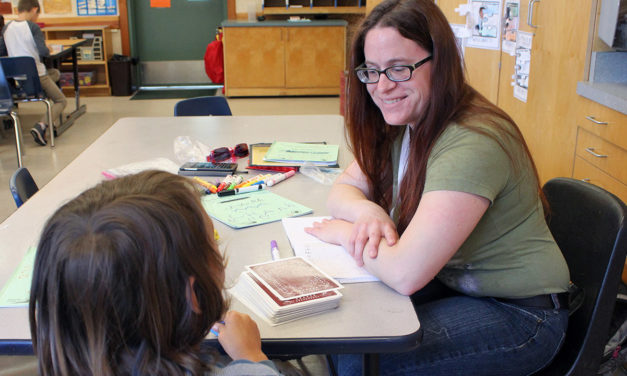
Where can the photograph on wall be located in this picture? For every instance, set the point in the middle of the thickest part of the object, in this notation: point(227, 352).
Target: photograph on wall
point(486, 21)
point(510, 26)
point(523, 65)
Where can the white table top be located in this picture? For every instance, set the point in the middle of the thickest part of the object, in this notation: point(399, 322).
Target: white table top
point(368, 312)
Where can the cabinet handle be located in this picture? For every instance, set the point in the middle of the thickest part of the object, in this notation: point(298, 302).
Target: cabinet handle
point(591, 151)
point(530, 13)
point(595, 121)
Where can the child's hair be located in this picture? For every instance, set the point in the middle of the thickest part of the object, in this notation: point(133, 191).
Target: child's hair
point(27, 5)
point(111, 285)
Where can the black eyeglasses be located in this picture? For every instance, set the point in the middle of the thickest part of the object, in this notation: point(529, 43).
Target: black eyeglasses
point(396, 73)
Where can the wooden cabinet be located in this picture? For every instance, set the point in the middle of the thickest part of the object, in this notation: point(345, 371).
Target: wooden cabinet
point(92, 62)
point(601, 152)
point(283, 60)
point(303, 7)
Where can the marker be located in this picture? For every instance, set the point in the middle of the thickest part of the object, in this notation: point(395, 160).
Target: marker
point(215, 332)
point(279, 178)
point(210, 187)
point(235, 181)
point(256, 179)
point(240, 185)
point(252, 188)
point(275, 250)
point(225, 183)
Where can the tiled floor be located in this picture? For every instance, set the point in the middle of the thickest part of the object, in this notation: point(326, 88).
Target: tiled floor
point(45, 162)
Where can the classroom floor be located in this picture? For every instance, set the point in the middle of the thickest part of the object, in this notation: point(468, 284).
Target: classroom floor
point(45, 162)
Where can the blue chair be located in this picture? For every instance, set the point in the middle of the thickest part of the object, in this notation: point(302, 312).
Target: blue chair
point(24, 83)
point(203, 106)
point(22, 186)
point(7, 108)
point(588, 224)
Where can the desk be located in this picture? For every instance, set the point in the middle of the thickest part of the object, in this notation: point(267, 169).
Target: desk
point(54, 61)
point(371, 316)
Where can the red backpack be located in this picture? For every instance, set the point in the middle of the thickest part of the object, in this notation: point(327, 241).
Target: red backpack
point(214, 60)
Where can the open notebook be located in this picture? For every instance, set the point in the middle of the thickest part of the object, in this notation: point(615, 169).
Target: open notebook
point(330, 258)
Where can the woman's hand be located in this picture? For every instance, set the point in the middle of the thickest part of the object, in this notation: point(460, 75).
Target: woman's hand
point(334, 231)
point(239, 337)
point(368, 230)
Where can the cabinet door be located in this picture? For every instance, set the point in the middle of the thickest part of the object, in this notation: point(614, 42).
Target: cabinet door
point(254, 57)
point(315, 57)
point(558, 58)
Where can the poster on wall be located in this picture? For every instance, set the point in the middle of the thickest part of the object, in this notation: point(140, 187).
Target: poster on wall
point(485, 18)
point(510, 26)
point(96, 7)
point(523, 65)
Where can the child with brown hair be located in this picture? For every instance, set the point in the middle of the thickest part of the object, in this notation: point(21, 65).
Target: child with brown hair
point(23, 37)
point(128, 280)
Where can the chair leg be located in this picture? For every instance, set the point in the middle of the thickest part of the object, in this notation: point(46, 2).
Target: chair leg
point(50, 122)
point(18, 138)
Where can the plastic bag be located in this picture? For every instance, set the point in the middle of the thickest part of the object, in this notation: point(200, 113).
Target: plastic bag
point(322, 175)
point(188, 150)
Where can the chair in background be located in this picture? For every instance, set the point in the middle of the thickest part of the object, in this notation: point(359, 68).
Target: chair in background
point(7, 109)
point(24, 83)
point(588, 224)
point(203, 106)
point(22, 186)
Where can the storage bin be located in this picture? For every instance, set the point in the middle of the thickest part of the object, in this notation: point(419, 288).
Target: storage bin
point(84, 78)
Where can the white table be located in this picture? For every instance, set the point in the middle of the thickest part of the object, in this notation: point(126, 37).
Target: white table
point(371, 317)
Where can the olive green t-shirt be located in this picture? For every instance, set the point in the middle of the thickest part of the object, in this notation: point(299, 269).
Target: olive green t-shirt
point(511, 252)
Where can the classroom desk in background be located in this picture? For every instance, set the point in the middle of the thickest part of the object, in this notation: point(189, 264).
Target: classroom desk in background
point(371, 317)
point(55, 59)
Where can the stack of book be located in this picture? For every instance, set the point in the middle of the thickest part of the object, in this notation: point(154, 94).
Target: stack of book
point(287, 289)
point(283, 156)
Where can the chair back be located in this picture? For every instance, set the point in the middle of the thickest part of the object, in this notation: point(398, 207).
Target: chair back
point(22, 186)
point(23, 77)
point(588, 224)
point(6, 100)
point(203, 106)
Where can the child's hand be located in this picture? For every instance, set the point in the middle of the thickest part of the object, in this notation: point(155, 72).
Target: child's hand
point(239, 337)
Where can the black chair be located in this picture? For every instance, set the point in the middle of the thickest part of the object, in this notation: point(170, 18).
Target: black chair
point(24, 83)
point(22, 186)
point(7, 108)
point(588, 224)
point(202, 106)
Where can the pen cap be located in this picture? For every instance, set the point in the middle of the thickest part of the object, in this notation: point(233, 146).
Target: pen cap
point(273, 244)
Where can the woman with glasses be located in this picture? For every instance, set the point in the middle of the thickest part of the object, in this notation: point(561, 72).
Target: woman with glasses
point(443, 203)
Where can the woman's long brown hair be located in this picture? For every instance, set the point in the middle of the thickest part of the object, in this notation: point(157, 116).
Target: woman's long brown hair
point(451, 100)
point(110, 289)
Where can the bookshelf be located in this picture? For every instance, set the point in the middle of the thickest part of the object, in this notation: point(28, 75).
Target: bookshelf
point(92, 58)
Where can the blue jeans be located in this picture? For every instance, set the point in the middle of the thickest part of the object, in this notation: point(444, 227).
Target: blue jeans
point(474, 336)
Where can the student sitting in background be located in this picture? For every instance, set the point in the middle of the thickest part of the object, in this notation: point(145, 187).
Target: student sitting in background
point(128, 280)
point(23, 37)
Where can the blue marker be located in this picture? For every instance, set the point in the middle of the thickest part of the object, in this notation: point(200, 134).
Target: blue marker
point(214, 332)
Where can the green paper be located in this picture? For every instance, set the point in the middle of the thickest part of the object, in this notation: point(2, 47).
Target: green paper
point(16, 292)
point(302, 152)
point(252, 209)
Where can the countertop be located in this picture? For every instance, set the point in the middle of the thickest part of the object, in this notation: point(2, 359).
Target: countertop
point(277, 23)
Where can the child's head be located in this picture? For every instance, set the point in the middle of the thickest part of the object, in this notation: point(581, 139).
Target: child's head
point(27, 6)
point(111, 283)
